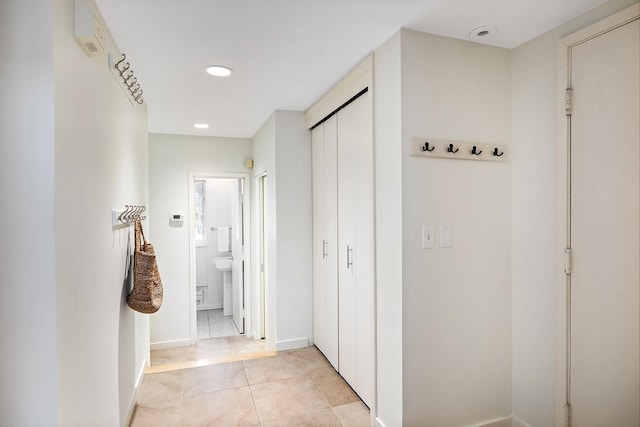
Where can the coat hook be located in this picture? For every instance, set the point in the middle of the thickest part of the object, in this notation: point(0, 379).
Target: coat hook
point(475, 151)
point(125, 79)
point(124, 215)
point(426, 147)
point(133, 82)
point(134, 89)
point(451, 150)
point(495, 152)
point(117, 65)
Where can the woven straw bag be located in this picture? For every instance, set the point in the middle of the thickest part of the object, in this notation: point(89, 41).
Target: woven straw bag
point(146, 295)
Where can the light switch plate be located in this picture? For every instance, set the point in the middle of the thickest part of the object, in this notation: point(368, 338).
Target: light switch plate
point(427, 237)
point(445, 236)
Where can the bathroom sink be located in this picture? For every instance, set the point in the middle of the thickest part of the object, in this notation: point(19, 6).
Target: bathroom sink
point(223, 263)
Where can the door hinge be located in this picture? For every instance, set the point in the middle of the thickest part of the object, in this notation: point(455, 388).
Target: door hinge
point(568, 261)
point(568, 101)
point(567, 415)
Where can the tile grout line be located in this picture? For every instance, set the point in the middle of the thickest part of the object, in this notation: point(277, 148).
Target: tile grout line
point(253, 399)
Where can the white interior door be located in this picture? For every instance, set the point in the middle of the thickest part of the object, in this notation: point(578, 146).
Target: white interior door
point(237, 265)
point(605, 230)
point(355, 250)
point(325, 239)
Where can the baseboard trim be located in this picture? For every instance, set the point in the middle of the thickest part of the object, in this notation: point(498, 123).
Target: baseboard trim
point(136, 390)
point(498, 422)
point(292, 344)
point(377, 422)
point(517, 422)
point(215, 306)
point(170, 344)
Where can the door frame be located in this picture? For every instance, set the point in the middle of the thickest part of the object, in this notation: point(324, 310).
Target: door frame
point(246, 220)
point(261, 330)
point(563, 201)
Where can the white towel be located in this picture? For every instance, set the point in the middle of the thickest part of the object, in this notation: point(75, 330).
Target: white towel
point(223, 239)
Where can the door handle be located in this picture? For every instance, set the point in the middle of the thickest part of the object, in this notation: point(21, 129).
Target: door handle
point(349, 257)
point(324, 248)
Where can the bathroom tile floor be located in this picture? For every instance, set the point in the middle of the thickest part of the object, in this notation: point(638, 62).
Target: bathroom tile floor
point(289, 388)
point(213, 324)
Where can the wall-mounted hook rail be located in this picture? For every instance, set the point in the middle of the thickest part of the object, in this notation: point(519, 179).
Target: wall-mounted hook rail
point(458, 150)
point(128, 215)
point(123, 72)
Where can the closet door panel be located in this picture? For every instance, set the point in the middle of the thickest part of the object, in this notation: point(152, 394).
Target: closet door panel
point(355, 231)
point(325, 273)
point(347, 179)
point(317, 189)
point(364, 255)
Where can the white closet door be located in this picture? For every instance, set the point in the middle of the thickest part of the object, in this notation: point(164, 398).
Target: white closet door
point(355, 232)
point(325, 239)
point(605, 229)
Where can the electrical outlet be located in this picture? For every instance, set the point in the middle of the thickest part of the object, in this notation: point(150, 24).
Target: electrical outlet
point(427, 237)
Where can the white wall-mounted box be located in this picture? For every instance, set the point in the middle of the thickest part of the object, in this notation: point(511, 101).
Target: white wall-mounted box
point(87, 29)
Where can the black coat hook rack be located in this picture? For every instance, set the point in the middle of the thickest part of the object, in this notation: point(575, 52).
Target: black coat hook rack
point(448, 149)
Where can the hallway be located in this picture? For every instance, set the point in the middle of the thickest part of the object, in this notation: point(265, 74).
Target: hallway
point(291, 388)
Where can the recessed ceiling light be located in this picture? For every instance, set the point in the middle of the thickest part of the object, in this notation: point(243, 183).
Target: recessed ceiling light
point(481, 32)
point(200, 125)
point(218, 70)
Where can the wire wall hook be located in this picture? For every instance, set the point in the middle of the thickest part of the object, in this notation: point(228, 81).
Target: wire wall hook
point(475, 151)
point(129, 81)
point(495, 152)
point(426, 147)
point(129, 215)
point(451, 150)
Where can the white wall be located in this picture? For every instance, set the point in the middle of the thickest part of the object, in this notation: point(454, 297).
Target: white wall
point(171, 158)
point(456, 301)
point(534, 164)
point(29, 385)
point(283, 150)
point(293, 210)
point(100, 164)
point(388, 195)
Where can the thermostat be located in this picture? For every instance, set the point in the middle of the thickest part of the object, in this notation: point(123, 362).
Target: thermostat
point(176, 218)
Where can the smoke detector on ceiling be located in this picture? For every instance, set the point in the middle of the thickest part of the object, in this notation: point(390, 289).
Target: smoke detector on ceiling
point(482, 33)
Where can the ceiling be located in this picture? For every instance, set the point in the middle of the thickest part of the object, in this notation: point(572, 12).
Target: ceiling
point(286, 53)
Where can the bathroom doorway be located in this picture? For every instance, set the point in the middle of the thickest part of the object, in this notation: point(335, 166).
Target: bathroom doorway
point(220, 252)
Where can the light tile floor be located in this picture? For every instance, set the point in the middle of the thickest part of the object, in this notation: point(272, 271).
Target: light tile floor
point(290, 388)
point(213, 324)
